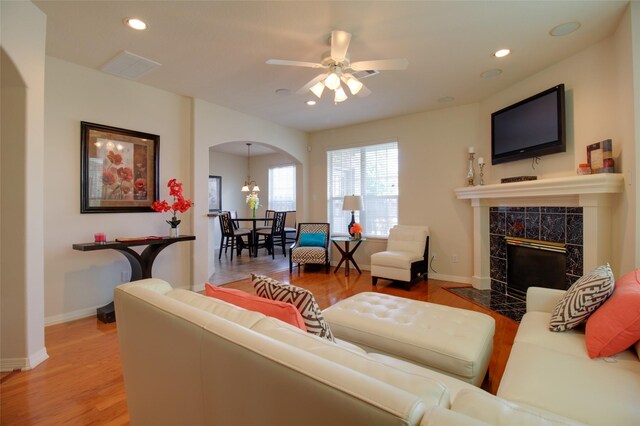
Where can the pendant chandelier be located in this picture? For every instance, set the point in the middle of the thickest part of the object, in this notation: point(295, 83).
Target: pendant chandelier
point(249, 181)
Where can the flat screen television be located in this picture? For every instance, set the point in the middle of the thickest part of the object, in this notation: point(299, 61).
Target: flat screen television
point(530, 128)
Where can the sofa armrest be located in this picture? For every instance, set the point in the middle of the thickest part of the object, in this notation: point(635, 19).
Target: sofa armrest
point(541, 299)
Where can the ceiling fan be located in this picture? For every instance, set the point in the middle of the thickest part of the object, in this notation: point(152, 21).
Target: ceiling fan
point(340, 69)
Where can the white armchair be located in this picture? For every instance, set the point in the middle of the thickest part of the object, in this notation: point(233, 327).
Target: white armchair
point(406, 257)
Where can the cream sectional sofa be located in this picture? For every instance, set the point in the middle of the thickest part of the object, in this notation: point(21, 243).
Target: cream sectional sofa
point(193, 360)
point(552, 371)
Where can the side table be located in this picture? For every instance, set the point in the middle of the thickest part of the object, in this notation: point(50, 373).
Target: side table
point(347, 252)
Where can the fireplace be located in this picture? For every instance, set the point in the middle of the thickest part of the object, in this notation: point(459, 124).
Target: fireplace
point(534, 263)
point(542, 229)
point(574, 210)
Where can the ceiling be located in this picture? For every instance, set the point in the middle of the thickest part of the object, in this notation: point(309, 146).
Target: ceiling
point(216, 50)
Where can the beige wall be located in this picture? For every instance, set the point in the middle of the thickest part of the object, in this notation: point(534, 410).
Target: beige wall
point(213, 125)
point(432, 157)
point(598, 107)
point(23, 32)
point(77, 282)
point(433, 146)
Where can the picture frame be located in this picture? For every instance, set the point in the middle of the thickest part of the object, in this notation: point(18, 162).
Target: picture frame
point(600, 156)
point(118, 169)
point(215, 194)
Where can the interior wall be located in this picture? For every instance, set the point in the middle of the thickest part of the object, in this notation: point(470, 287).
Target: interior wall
point(213, 125)
point(23, 34)
point(233, 169)
point(78, 282)
point(595, 110)
point(432, 162)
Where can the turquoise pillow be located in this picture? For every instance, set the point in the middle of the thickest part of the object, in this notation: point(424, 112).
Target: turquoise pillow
point(312, 240)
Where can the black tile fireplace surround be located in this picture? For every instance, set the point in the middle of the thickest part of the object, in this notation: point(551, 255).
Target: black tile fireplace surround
point(554, 224)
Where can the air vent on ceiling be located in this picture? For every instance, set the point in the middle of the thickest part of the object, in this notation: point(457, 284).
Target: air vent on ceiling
point(129, 65)
point(364, 74)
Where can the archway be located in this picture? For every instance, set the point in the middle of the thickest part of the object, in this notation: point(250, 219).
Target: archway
point(230, 161)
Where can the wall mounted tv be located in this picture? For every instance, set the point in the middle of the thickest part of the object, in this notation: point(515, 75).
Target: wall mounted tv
point(530, 128)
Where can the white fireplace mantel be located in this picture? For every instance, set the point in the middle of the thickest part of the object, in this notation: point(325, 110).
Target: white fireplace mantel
point(591, 192)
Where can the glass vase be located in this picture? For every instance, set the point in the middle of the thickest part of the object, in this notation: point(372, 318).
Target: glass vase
point(174, 232)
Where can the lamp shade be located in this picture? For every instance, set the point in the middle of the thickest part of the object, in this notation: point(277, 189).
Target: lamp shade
point(352, 202)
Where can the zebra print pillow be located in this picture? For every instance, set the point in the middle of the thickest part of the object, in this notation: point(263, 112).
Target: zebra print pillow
point(299, 297)
point(582, 299)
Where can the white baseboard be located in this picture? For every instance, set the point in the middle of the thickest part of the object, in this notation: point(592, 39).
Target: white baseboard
point(70, 316)
point(11, 364)
point(452, 278)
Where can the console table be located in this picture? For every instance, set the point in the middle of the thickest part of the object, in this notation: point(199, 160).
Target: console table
point(141, 263)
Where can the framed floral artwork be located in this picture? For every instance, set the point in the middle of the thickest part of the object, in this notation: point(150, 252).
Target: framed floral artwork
point(215, 194)
point(119, 169)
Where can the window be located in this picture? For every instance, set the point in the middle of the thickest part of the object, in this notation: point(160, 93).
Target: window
point(282, 188)
point(371, 172)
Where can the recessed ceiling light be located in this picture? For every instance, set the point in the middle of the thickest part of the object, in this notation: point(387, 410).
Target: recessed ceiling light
point(283, 92)
point(446, 99)
point(311, 102)
point(135, 23)
point(491, 73)
point(564, 29)
point(501, 53)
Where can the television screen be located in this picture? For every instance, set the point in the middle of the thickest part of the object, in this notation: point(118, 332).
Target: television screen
point(529, 128)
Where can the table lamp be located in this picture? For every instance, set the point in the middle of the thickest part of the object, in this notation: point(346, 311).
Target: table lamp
point(353, 203)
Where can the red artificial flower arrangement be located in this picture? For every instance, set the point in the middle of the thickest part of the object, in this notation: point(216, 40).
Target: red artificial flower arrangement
point(356, 228)
point(180, 204)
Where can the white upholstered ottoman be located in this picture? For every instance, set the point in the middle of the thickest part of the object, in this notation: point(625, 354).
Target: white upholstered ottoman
point(456, 342)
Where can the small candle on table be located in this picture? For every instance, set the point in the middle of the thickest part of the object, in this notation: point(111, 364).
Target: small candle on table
point(481, 161)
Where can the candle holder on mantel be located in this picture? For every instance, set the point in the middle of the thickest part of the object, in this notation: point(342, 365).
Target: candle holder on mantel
point(481, 165)
point(470, 172)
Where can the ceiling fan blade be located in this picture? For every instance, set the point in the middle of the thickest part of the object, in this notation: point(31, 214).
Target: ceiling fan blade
point(295, 63)
point(304, 89)
point(364, 91)
point(339, 44)
point(381, 65)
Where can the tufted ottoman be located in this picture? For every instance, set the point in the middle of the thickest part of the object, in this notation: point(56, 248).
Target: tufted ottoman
point(453, 341)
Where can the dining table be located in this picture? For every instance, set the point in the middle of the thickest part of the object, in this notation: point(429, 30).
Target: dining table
point(254, 230)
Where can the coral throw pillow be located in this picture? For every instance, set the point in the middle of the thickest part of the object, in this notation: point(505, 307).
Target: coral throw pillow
point(300, 298)
point(283, 311)
point(582, 299)
point(615, 326)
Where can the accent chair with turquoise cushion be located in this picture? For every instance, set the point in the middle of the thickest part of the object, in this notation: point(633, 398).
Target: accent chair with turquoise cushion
point(311, 245)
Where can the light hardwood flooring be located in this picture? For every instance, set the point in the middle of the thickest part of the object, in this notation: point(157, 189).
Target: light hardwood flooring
point(81, 382)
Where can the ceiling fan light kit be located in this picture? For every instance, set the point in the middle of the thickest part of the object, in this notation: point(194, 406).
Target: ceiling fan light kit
point(339, 67)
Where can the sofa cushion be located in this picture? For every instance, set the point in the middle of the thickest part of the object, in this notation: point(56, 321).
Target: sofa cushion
point(579, 388)
point(497, 411)
point(418, 382)
point(299, 297)
point(283, 311)
point(615, 326)
point(582, 299)
point(218, 307)
point(534, 329)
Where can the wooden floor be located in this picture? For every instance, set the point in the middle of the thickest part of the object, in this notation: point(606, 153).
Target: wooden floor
point(81, 382)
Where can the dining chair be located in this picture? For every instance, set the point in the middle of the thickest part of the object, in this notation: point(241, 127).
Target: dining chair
point(232, 238)
point(274, 235)
point(311, 246)
point(234, 215)
point(270, 214)
point(290, 227)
